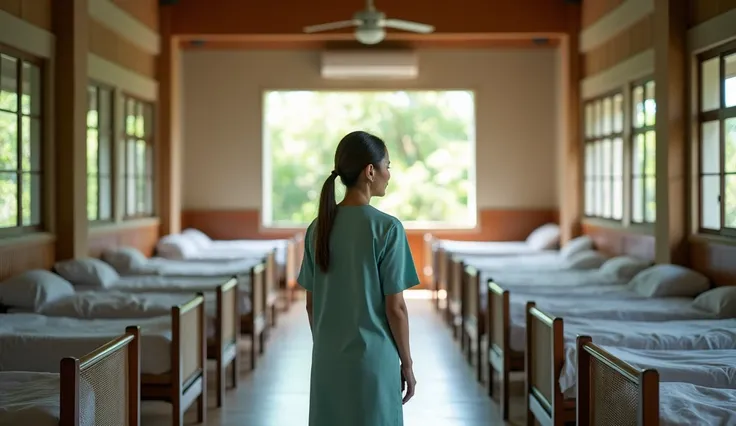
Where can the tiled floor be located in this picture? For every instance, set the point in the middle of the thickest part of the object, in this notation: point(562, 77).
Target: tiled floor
point(277, 392)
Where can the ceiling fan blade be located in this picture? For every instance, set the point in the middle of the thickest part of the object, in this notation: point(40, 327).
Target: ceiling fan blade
point(414, 27)
point(331, 26)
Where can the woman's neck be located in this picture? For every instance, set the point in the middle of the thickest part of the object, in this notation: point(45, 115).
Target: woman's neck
point(356, 197)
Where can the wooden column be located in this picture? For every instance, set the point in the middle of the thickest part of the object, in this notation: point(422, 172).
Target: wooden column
point(169, 127)
point(572, 194)
point(70, 119)
point(670, 31)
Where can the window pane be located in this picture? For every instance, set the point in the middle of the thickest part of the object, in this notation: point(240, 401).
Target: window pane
point(598, 118)
point(92, 114)
point(105, 201)
point(105, 110)
point(638, 107)
point(710, 191)
point(637, 196)
point(651, 154)
point(589, 123)
point(140, 161)
point(31, 99)
point(104, 153)
point(729, 163)
point(607, 198)
point(637, 156)
point(607, 157)
point(130, 158)
point(710, 87)
point(130, 118)
point(130, 195)
point(618, 113)
point(710, 148)
point(92, 197)
point(589, 160)
point(618, 198)
point(729, 220)
point(149, 196)
point(650, 199)
point(31, 199)
point(650, 106)
point(607, 116)
point(149, 161)
point(618, 157)
point(8, 141)
point(599, 197)
point(92, 152)
point(730, 80)
point(8, 83)
point(139, 126)
point(31, 149)
point(8, 200)
point(589, 198)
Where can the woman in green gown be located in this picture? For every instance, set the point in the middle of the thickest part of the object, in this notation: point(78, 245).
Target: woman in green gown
point(356, 265)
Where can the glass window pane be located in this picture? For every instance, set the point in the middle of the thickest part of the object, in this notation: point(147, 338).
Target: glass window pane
point(637, 197)
point(140, 189)
point(729, 80)
point(92, 151)
point(8, 83)
point(607, 157)
point(140, 161)
point(130, 196)
point(729, 128)
point(710, 147)
point(637, 156)
point(607, 198)
point(589, 123)
point(31, 199)
point(105, 110)
point(650, 105)
point(8, 141)
point(651, 154)
point(104, 153)
point(92, 113)
point(618, 113)
point(31, 148)
point(638, 107)
point(589, 197)
point(130, 158)
point(607, 116)
point(599, 196)
point(130, 117)
point(598, 118)
point(589, 160)
point(92, 197)
point(710, 87)
point(618, 198)
point(139, 126)
point(105, 201)
point(729, 219)
point(149, 160)
point(31, 99)
point(618, 157)
point(710, 191)
point(8, 200)
point(149, 196)
point(650, 199)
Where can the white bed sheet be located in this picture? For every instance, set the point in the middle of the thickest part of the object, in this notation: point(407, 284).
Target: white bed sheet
point(665, 335)
point(542, 261)
point(32, 342)
point(171, 267)
point(714, 368)
point(162, 284)
point(684, 404)
point(490, 248)
point(555, 278)
point(252, 246)
point(32, 399)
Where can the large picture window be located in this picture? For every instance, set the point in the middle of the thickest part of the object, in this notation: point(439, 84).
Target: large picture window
point(717, 122)
point(99, 153)
point(430, 137)
point(643, 152)
point(138, 174)
point(604, 148)
point(20, 142)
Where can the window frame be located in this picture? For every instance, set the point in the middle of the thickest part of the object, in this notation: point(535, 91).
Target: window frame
point(113, 151)
point(634, 133)
point(593, 139)
point(150, 142)
point(719, 115)
point(23, 57)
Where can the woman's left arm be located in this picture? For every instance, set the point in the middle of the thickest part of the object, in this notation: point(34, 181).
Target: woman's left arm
point(310, 310)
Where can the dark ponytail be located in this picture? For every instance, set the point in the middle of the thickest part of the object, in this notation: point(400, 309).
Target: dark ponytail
point(325, 220)
point(354, 153)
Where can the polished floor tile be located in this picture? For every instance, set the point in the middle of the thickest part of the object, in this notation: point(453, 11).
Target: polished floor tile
point(277, 392)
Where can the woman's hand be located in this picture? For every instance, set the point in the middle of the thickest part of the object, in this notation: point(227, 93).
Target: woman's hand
point(408, 382)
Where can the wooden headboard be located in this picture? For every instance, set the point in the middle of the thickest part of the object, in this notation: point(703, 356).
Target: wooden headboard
point(617, 242)
point(32, 252)
point(714, 259)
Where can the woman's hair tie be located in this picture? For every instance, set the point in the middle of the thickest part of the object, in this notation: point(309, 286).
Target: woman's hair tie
point(334, 173)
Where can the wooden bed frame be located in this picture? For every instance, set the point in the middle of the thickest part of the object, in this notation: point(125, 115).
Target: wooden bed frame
point(186, 382)
point(545, 359)
point(223, 348)
point(611, 392)
point(271, 296)
point(99, 369)
point(255, 323)
point(500, 357)
point(455, 291)
point(294, 253)
point(474, 322)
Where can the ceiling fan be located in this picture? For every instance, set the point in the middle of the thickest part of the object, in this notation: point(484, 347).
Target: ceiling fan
point(371, 25)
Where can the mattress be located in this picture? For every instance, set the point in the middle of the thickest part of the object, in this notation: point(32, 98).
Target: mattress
point(542, 261)
point(715, 368)
point(252, 246)
point(554, 278)
point(685, 404)
point(665, 335)
point(162, 284)
point(602, 312)
point(32, 342)
point(490, 248)
point(32, 399)
point(170, 267)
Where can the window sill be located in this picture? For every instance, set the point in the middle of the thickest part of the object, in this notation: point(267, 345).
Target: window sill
point(106, 227)
point(30, 238)
point(616, 225)
point(701, 238)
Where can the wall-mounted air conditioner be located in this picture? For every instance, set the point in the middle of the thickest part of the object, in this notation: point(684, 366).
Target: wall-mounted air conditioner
point(369, 64)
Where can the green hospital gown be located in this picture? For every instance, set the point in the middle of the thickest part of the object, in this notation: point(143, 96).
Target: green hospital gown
point(356, 374)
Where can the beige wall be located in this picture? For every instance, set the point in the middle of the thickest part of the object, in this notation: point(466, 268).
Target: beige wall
point(516, 103)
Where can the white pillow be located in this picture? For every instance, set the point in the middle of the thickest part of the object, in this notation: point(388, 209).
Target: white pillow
point(546, 237)
point(588, 259)
point(124, 259)
point(87, 272)
point(199, 238)
point(624, 268)
point(575, 246)
point(669, 281)
point(720, 300)
point(30, 290)
point(176, 246)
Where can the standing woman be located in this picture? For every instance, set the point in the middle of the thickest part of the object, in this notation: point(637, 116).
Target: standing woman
point(356, 265)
